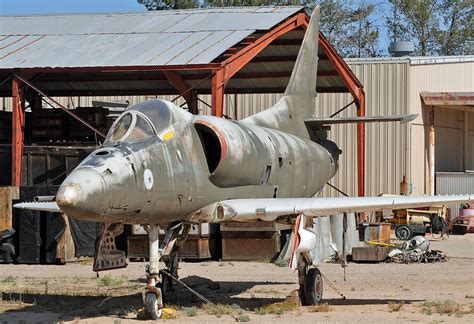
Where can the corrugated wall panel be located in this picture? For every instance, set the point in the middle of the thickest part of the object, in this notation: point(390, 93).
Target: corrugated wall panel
point(454, 183)
point(386, 94)
point(449, 77)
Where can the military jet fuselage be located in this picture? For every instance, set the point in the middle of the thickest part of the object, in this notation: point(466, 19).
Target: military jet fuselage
point(159, 164)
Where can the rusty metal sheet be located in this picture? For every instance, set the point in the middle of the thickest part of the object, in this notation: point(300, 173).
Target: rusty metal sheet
point(174, 37)
point(448, 98)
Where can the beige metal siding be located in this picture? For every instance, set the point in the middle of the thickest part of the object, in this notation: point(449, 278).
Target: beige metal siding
point(386, 94)
point(449, 77)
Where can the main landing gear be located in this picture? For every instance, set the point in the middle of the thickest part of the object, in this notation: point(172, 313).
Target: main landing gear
point(311, 284)
point(160, 282)
point(309, 278)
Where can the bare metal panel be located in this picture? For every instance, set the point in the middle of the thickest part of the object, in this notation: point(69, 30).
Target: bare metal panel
point(448, 75)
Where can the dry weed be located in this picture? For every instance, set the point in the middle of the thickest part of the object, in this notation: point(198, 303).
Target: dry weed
point(222, 309)
point(441, 307)
point(322, 308)
point(277, 308)
point(395, 306)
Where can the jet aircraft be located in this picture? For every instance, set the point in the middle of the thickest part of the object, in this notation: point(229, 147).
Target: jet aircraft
point(161, 166)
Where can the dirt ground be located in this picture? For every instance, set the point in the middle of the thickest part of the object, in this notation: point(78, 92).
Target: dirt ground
point(249, 291)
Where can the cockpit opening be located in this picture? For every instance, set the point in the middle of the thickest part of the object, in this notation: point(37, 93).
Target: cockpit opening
point(130, 128)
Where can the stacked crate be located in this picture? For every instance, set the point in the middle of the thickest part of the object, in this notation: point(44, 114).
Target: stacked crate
point(258, 241)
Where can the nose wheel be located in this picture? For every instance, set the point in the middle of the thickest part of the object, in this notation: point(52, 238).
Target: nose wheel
point(153, 306)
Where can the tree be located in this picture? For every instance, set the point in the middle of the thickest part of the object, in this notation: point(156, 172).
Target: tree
point(363, 40)
point(420, 21)
point(350, 27)
point(456, 39)
point(168, 4)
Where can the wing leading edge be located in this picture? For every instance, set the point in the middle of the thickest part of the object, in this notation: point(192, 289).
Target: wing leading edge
point(49, 206)
point(269, 209)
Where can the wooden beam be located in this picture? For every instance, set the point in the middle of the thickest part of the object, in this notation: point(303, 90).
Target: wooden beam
point(18, 129)
point(184, 89)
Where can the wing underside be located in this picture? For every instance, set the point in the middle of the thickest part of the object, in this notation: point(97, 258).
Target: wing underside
point(268, 209)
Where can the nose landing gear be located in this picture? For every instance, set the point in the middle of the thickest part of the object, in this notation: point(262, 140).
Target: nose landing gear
point(159, 282)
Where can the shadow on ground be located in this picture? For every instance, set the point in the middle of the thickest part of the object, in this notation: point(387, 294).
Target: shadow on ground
point(70, 307)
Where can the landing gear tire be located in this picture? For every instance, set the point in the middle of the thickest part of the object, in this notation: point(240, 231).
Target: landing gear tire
point(313, 287)
point(152, 308)
point(403, 232)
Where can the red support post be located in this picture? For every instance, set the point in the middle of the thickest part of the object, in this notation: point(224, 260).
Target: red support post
point(18, 126)
point(361, 147)
point(184, 89)
point(218, 93)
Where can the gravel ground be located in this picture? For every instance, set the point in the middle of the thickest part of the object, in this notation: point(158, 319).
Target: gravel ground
point(437, 292)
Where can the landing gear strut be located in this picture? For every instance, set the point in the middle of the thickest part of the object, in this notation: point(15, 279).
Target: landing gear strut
point(310, 282)
point(309, 278)
point(160, 282)
point(152, 297)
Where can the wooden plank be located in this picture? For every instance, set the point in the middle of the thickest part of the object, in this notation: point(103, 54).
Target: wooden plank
point(65, 250)
point(7, 194)
point(246, 246)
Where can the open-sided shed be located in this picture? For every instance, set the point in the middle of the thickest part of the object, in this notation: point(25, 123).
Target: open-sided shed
point(183, 52)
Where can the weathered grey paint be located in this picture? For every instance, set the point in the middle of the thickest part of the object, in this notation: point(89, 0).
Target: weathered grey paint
point(166, 178)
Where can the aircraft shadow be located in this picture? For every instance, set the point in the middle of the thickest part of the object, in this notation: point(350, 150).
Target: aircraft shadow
point(356, 302)
point(70, 307)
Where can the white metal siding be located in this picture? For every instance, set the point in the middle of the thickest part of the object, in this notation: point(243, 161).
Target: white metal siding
point(454, 183)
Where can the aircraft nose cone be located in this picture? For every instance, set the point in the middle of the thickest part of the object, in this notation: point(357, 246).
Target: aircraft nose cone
point(83, 194)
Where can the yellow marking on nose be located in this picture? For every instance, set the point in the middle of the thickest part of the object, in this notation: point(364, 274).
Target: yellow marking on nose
point(168, 136)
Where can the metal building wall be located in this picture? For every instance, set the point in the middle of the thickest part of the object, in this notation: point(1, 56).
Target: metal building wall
point(454, 183)
point(439, 77)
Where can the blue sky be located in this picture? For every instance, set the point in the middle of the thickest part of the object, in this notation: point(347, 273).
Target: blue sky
point(14, 7)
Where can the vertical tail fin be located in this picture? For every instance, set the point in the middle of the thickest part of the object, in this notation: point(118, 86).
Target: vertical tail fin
point(303, 77)
point(298, 100)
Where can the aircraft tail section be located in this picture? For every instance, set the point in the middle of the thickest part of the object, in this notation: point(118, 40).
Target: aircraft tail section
point(298, 100)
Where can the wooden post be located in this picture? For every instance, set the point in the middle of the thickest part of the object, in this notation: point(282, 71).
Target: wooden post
point(7, 194)
point(18, 127)
point(65, 250)
point(431, 152)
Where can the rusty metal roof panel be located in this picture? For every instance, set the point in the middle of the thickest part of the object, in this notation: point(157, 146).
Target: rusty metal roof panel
point(175, 37)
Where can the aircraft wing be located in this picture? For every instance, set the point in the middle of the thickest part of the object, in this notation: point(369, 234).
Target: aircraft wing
point(318, 122)
point(269, 209)
point(49, 206)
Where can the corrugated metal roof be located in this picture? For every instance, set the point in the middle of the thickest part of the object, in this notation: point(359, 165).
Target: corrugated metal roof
point(413, 60)
point(160, 38)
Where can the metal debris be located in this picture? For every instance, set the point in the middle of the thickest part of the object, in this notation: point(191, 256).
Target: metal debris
point(415, 250)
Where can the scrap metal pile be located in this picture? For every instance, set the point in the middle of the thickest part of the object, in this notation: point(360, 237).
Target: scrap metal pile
point(415, 250)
